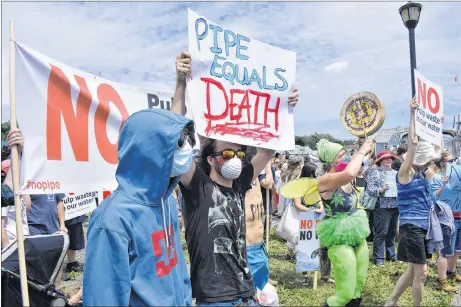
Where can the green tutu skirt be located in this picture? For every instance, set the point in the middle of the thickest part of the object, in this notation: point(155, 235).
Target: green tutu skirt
point(344, 229)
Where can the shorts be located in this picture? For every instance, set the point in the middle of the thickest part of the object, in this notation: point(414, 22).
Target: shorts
point(412, 246)
point(76, 236)
point(259, 264)
point(451, 242)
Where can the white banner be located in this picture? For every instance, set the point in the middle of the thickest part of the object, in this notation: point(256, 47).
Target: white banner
point(71, 121)
point(239, 87)
point(79, 204)
point(428, 117)
point(307, 258)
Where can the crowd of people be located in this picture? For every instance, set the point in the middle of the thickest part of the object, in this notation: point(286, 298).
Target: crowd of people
point(134, 254)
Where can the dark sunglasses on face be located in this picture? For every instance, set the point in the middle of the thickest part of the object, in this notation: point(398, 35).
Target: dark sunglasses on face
point(228, 154)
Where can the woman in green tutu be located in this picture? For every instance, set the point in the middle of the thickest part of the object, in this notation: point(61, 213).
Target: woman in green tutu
point(344, 229)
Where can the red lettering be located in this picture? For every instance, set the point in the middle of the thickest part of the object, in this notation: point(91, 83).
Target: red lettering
point(433, 108)
point(309, 224)
point(59, 103)
point(106, 94)
point(425, 97)
point(231, 120)
point(303, 224)
point(161, 267)
point(218, 84)
point(422, 93)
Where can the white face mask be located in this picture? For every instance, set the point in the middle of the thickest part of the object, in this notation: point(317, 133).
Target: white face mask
point(232, 168)
point(182, 160)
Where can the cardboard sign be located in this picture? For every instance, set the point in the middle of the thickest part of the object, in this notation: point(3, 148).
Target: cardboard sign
point(239, 87)
point(79, 204)
point(308, 243)
point(428, 117)
point(70, 121)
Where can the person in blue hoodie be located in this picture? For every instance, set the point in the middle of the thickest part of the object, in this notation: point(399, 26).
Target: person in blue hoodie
point(134, 255)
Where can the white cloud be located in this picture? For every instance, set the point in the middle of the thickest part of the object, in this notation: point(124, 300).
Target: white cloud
point(337, 66)
point(136, 43)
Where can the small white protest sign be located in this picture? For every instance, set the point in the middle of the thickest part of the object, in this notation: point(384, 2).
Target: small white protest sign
point(428, 117)
point(79, 204)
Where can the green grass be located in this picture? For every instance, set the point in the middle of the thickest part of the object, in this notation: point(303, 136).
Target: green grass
point(378, 287)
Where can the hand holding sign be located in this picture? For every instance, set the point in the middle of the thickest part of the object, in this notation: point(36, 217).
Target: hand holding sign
point(183, 66)
point(293, 97)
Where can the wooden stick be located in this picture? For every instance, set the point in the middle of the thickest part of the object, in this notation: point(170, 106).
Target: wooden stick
point(15, 168)
point(316, 276)
point(267, 219)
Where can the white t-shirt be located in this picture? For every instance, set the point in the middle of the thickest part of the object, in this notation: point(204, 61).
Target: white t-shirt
point(10, 223)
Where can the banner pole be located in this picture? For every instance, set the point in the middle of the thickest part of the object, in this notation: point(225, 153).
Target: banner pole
point(316, 276)
point(267, 219)
point(15, 168)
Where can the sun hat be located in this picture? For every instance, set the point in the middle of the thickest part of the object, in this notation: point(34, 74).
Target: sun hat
point(383, 155)
point(425, 153)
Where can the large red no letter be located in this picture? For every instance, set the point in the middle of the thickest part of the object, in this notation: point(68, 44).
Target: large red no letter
point(59, 105)
point(425, 97)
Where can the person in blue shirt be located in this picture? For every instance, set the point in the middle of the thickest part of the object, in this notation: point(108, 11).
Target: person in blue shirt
point(134, 255)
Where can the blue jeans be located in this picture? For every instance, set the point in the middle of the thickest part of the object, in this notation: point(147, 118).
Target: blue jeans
point(238, 302)
point(451, 243)
point(385, 230)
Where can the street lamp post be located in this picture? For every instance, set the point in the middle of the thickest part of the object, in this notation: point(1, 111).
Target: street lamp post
point(410, 13)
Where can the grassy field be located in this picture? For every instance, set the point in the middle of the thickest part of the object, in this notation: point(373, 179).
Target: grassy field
point(292, 292)
point(378, 287)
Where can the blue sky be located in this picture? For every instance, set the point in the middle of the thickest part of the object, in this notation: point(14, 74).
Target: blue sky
point(342, 48)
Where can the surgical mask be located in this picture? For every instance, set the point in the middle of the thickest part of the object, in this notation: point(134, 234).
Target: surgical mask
point(232, 168)
point(182, 160)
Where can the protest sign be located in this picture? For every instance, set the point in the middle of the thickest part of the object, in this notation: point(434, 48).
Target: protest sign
point(452, 191)
point(79, 204)
point(239, 87)
point(71, 122)
point(428, 117)
point(391, 179)
point(308, 243)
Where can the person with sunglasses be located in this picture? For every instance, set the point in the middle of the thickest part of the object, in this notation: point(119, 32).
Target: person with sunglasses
point(214, 212)
point(448, 258)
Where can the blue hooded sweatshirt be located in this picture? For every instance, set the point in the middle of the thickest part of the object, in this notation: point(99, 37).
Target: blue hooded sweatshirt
point(134, 255)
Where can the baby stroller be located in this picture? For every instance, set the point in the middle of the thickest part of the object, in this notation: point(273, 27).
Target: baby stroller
point(44, 258)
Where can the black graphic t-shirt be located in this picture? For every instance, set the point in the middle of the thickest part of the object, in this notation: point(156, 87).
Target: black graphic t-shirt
point(215, 233)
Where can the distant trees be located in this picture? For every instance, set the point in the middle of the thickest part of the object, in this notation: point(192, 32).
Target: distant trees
point(313, 139)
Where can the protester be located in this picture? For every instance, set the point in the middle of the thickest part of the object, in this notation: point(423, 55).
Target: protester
point(134, 255)
point(266, 180)
point(293, 171)
point(385, 214)
point(414, 204)
point(449, 255)
point(344, 229)
point(76, 242)
point(76, 298)
point(258, 260)
point(14, 138)
point(214, 214)
point(401, 151)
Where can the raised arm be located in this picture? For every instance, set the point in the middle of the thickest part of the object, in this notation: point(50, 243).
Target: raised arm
point(183, 70)
point(332, 181)
point(406, 171)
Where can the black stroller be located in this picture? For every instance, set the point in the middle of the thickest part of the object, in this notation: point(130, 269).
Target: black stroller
point(44, 258)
